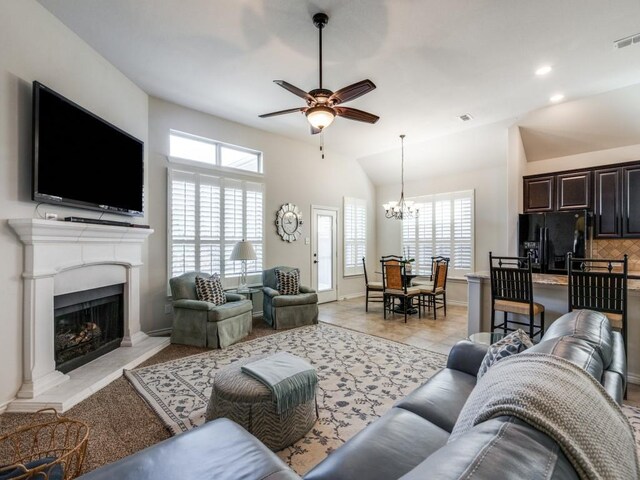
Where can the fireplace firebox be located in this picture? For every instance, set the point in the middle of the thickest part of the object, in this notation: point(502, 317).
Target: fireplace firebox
point(87, 324)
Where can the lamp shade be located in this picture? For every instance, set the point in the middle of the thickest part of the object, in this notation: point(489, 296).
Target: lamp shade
point(320, 116)
point(243, 250)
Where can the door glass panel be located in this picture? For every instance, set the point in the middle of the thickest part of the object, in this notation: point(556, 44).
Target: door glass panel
point(325, 252)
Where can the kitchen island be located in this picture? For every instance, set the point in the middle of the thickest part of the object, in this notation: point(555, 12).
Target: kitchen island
point(551, 291)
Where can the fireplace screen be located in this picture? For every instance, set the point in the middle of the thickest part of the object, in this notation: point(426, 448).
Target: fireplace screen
point(88, 324)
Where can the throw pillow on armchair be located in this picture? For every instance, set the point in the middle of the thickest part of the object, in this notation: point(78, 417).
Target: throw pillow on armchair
point(210, 289)
point(288, 282)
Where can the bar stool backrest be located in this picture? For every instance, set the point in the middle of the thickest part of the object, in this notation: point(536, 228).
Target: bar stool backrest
point(511, 279)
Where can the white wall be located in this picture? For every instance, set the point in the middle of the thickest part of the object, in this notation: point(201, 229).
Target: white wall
point(34, 45)
point(294, 172)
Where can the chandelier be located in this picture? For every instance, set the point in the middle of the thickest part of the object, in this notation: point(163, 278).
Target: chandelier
point(403, 208)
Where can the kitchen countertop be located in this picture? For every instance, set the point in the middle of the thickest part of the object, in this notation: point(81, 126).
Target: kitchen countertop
point(549, 279)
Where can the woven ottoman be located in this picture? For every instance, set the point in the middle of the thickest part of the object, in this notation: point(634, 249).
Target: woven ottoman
point(248, 402)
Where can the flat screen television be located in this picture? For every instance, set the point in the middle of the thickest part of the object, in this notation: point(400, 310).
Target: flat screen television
point(81, 160)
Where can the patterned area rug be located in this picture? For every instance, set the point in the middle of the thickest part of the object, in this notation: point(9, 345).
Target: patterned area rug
point(360, 378)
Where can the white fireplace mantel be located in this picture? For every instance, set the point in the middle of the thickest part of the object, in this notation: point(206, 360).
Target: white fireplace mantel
point(61, 257)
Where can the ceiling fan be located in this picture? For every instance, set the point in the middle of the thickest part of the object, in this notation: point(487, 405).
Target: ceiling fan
point(322, 104)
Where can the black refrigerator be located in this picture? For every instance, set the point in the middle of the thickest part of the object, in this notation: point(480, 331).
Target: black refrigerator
point(548, 237)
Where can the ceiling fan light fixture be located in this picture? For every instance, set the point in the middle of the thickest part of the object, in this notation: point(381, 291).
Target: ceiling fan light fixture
point(320, 117)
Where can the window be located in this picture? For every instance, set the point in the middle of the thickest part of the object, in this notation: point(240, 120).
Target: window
point(205, 152)
point(443, 226)
point(355, 235)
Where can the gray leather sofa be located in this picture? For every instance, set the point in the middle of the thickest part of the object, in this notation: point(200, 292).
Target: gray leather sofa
point(410, 440)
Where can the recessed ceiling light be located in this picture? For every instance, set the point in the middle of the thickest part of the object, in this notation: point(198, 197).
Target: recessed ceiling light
point(543, 70)
point(557, 98)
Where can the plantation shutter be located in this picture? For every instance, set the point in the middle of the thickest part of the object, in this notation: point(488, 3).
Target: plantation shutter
point(183, 223)
point(208, 216)
point(355, 235)
point(254, 222)
point(443, 226)
point(462, 233)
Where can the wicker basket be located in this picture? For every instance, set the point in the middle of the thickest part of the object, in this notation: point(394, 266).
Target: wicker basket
point(49, 449)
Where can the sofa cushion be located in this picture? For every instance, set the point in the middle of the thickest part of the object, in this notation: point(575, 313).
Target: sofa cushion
point(230, 309)
point(504, 448)
point(220, 449)
point(388, 448)
point(588, 325)
point(576, 350)
point(441, 398)
point(300, 299)
point(288, 282)
point(210, 290)
point(511, 344)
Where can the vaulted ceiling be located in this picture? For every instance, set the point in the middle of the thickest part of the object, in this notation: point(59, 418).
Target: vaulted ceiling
point(431, 60)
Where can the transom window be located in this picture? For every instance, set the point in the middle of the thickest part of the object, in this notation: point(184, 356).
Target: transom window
point(444, 226)
point(206, 152)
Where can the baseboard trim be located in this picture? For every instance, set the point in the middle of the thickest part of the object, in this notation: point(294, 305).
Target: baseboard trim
point(457, 303)
point(633, 378)
point(350, 296)
point(160, 332)
point(4, 405)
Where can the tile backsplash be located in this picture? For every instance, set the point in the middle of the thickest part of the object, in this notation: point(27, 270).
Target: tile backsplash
point(615, 248)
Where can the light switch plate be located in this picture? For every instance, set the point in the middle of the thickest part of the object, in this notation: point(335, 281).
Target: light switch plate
point(307, 240)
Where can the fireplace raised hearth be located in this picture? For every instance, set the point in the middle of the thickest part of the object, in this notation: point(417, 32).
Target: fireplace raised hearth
point(87, 324)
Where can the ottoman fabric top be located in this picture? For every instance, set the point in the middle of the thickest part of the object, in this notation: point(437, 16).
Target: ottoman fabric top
point(232, 384)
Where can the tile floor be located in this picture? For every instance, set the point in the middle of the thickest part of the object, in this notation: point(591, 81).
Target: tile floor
point(436, 335)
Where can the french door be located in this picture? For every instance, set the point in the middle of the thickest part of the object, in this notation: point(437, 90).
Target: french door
point(324, 254)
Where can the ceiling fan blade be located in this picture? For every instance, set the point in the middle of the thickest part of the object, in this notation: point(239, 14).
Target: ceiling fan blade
point(282, 112)
point(295, 90)
point(356, 90)
point(354, 114)
point(314, 130)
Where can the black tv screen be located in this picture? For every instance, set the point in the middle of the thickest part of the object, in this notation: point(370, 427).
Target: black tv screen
point(80, 160)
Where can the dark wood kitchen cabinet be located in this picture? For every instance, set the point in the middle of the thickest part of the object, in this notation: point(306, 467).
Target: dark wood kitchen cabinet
point(573, 190)
point(539, 194)
point(611, 192)
point(607, 208)
point(631, 201)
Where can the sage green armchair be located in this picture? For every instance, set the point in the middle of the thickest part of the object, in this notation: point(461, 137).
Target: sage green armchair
point(204, 324)
point(287, 311)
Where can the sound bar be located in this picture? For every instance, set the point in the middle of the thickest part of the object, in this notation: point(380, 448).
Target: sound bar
point(104, 222)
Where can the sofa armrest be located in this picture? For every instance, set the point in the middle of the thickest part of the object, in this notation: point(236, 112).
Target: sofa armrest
point(234, 297)
point(270, 292)
point(193, 304)
point(467, 356)
point(304, 289)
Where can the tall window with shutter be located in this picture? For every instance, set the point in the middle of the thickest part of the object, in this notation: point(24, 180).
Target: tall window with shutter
point(210, 212)
point(355, 235)
point(443, 226)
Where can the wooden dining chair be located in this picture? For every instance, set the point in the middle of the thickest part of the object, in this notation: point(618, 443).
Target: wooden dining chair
point(435, 296)
point(512, 292)
point(601, 285)
point(373, 290)
point(394, 287)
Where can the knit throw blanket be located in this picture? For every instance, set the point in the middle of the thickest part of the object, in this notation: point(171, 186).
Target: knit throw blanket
point(291, 379)
point(560, 399)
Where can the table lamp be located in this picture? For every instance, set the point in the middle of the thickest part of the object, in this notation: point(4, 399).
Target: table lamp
point(243, 251)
